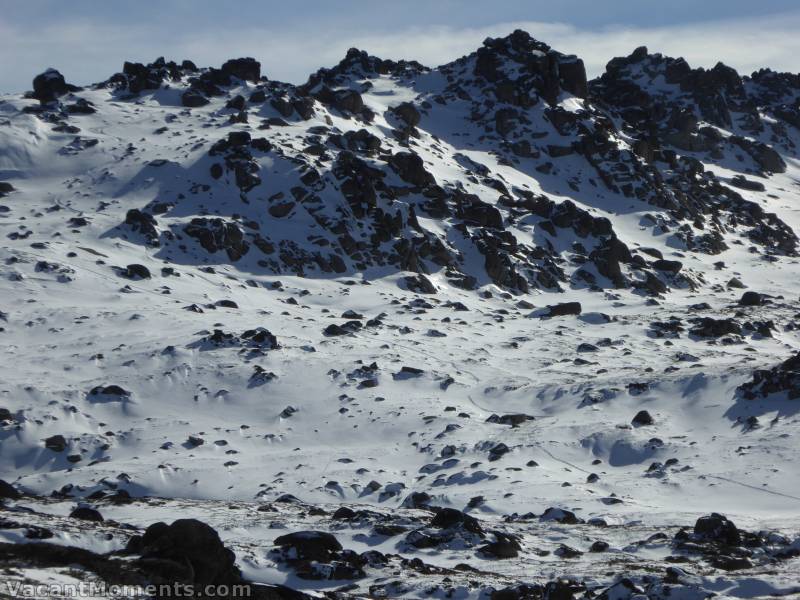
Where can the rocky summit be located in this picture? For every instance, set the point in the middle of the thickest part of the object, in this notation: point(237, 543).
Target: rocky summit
point(486, 330)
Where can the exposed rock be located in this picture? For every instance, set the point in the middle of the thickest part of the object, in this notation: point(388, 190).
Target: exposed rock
point(781, 379)
point(86, 513)
point(310, 545)
point(8, 491)
point(56, 443)
point(564, 309)
point(717, 528)
point(642, 418)
point(246, 69)
point(50, 85)
point(188, 542)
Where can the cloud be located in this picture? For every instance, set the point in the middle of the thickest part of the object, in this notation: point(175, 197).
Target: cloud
point(87, 51)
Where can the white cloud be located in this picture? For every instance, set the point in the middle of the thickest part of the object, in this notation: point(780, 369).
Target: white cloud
point(85, 51)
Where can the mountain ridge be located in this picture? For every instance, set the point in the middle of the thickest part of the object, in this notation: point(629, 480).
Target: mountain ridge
point(488, 329)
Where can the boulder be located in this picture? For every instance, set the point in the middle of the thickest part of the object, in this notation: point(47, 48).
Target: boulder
point(713, 328)
point(56, 443)
point(310, 545)
point(86, 513)
point(136, 271)
point(642, 418)
point(781, 379)
point(246, 69)
point(564, 309)
point(50, 85)
point(193, 99)
point(410, 168)
point(189, 542)
point(408, 113)
point(446, 518)
point(717, 528)
point(751, 298)
point(560, 515)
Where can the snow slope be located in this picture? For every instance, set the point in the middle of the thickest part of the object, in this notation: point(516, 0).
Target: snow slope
point(205, 419)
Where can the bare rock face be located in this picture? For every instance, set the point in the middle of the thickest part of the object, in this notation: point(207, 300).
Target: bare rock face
point(216, 234)
point(246, 69)
point(781, 379)
point(50, 85)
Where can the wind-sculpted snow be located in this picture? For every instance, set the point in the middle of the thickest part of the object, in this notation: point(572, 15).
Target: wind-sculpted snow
point(497, 330)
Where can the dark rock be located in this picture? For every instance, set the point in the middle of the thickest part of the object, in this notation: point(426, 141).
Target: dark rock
point(564, 309)
point(343, 513)
point(143, 223)
point(410, 168)
point(717, 528)
point(8, 491)
point(504, 546)
point(608, 257)
point(193, 99)
point(86, 513)
point(417, 500)
point(420, 284)
point(236, 103)
point(560, 515)
point(498, 451)
point(56, 443)
point(110, 390)
point(281, 209)
point(743, 183)
point(751, 298)
point(446, 518)
point(193, 543)
point(310, 545)
point(599, 546)
point(50, 85)
point(713, 328)
point(216, 234)
point(348, 100)
point(513, 419)
point(781, 379)
point(408, 113)
point(135, 271)
point(564, 551)
point(642, 418)
point(246, 69)
point(670, 266)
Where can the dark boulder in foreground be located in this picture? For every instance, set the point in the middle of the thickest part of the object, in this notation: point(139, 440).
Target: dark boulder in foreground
point(188, 542)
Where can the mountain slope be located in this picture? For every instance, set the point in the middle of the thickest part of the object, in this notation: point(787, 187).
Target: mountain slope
point(361, 291)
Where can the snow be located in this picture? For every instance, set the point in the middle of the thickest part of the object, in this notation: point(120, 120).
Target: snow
point(64, 336)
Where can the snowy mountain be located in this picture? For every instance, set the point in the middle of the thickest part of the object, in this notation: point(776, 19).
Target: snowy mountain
point(502, 331)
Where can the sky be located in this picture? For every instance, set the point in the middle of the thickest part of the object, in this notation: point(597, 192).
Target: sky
point(88, 40)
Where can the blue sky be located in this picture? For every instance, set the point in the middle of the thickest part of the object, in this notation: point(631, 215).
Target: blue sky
point(88, 40)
